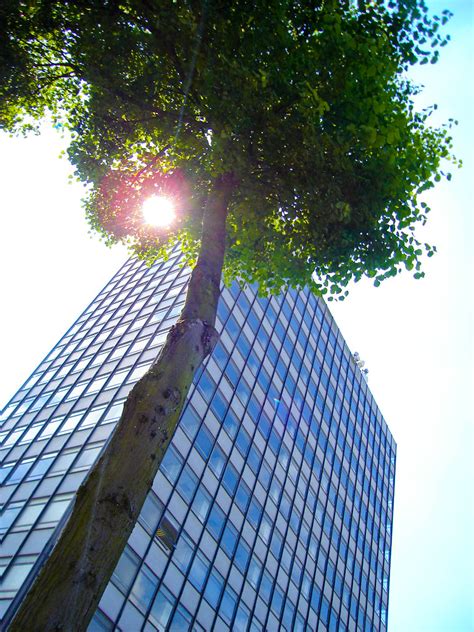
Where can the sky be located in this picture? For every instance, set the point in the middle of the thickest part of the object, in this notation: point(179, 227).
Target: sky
point(415, 336)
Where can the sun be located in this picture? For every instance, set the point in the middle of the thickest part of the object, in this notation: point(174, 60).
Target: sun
point(158, 210)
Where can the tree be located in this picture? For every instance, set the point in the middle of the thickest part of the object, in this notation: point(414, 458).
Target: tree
point(287, 134)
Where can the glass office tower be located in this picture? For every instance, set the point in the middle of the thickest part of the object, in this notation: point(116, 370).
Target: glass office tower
point(272, 509)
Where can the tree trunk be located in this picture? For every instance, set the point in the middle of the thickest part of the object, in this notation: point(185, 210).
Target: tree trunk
point(68, 588)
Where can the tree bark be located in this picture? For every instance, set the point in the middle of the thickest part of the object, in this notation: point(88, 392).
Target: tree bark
point(68, 588)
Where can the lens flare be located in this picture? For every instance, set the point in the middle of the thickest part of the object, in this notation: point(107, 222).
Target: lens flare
point(159, 211)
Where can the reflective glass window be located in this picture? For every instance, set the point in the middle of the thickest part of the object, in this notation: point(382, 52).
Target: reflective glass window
point(254, 572)
point(231, 424)
point(277, 601)
point(8, 516)
point(242, 497)
point(171, 464)
point(41, 466)
point(204, 443)
point(162, 608)
point(190, 421)
point(243, 442)
point(254, 512)
point(126, 569)
point(183, 552)
point(228, 603)
point(254, 458)
point(144, 587)
point(151, 512)
point(198, 572)
point(230, 479)
point(217, 461)
point(242, 555)
point(229, 539)
point(56, 509)
point(241, 619)
point(216, 520)
point(187, 483)
point(181, 621)
point(266, 587)
point(201, 503)
point(214, 587)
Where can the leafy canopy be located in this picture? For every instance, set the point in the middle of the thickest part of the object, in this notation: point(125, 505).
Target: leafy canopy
point(306, 104)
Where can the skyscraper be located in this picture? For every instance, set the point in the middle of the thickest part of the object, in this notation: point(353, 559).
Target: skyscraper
point(272, 509)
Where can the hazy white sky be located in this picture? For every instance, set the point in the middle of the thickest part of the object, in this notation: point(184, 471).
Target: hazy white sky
point(415, 336)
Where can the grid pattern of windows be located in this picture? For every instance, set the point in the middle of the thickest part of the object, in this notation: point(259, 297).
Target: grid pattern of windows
point(272, 508)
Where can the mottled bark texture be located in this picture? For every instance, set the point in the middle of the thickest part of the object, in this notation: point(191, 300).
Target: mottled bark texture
point(68, 589)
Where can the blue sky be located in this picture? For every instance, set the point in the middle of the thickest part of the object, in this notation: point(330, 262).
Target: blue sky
point(415, 336)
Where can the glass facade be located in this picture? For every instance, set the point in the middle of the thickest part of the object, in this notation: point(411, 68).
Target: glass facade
point(272, 509)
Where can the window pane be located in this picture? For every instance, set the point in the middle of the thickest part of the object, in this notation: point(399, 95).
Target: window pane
point(41, 466)
point(241, 619)
point(144, 587)
point(87, 457)
point(254, 459)
point(230, 479)
point(198, 572)
point(254, 572)
point(214, 588)
point(181, 621)
point(162, 607)
point(277, 602)
point(171, 464)
point(151, 512)
point(15, 576)
point(206, 385)
point(30, 514)
point(204, 443)
point(254, 513)
point(229, 539)
point(8, 516)
point(228, 604)
point(187, 483)
point(202, 502)
point(183, 553)
point(219, 405)
point(125, 570)
point(266, 587)
point(243, 496)
point(217, 461)
point(100, 623)
point(242, 556)
point(190, 421)
point(56, 509)
point(231, 424)
point(216, 521)
point(265, 529)
point(243, 442)
point(20, 471)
